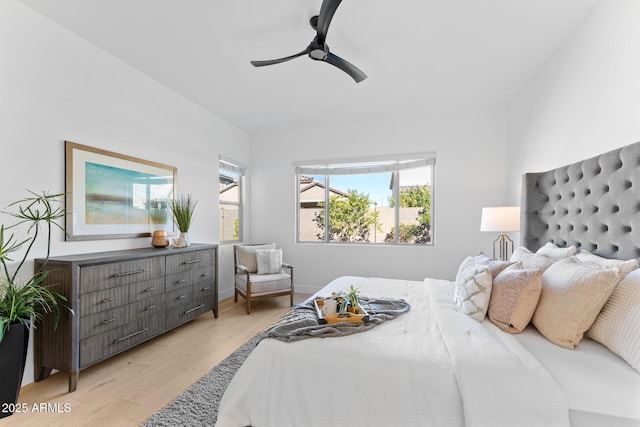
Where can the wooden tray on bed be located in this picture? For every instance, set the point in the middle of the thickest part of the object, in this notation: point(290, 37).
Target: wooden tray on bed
point(337, 318)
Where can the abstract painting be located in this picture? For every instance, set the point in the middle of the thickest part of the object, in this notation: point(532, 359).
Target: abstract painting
point(111, 195)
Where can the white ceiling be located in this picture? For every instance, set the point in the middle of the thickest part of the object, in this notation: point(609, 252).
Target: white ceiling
point(420, 55)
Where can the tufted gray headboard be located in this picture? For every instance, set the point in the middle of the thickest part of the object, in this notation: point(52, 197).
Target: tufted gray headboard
point(593, 204)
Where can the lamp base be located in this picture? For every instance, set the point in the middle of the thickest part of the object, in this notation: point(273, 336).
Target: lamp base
point(503, 242)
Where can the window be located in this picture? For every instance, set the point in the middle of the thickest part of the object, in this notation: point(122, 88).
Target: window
point(372, 202)
point(230, 191)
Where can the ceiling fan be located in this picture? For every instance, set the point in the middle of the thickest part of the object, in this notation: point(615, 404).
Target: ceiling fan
point(318, 49)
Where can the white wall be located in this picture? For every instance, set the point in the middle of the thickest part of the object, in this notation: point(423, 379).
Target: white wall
point(586, 99)
point(470, 174)
point(55, 86)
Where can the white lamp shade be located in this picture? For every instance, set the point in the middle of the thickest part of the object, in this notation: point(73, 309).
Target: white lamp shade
point(500, 219)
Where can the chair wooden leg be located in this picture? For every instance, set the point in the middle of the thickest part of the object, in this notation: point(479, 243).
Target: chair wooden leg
point(235, 296)
point(248, 305)
point(291, 299)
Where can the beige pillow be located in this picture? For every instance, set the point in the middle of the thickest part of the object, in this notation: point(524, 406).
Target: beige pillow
point(531, 260)
point(618, 324)
point(556, 252)
point(473, 289)
point(625, 267)
point(514, 297)
point(247, 255)
point(572, 295)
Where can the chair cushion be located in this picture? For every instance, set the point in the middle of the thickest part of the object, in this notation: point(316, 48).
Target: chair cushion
point(269, 261)
point(246, 255)
point(265, 283)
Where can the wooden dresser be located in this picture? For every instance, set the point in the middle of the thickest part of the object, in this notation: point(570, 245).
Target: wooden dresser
point(121, 299)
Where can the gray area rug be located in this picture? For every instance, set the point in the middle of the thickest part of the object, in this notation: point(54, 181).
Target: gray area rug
point(198, 405)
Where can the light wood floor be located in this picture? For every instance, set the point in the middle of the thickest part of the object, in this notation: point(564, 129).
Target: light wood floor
point(126, 389)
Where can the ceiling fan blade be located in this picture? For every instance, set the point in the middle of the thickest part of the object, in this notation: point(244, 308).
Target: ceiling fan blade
point(327, 10)
point(346, 66)
point(277, 61)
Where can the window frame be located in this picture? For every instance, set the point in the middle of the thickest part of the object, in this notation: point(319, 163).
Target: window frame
point(372, 164)
point(231, 165)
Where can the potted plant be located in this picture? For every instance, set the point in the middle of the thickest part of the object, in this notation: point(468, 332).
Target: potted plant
point(349, 302)
point(23, 298)
point(182, 209)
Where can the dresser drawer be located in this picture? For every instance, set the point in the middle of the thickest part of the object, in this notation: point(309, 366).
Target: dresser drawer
point(147, 307)
point(107, 344)
point(183, 312)
point(177, 297)
point(103, 321)
point(205, 287)
point(179, 280)
point(189, 261)
point(203, 275)
point(96, 302)
point(103, 276)
point(148, 288)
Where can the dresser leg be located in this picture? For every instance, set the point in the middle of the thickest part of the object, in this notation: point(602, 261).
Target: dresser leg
point(73, 381)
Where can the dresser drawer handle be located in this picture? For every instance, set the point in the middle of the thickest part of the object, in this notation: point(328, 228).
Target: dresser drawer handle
point(104, 322)
point(193, 261)
point(149, 289)
point(131, 335)
point(106, 300)
point(206, 288)
point(204, 275)
point(180, 281)
point(128, 273)
point(181, 297)
point(194, 309)
point(151, 307)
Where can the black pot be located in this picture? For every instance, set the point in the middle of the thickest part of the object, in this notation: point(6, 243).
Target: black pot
point(13, 354)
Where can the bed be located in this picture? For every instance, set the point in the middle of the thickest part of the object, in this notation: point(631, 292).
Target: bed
point(436, 365)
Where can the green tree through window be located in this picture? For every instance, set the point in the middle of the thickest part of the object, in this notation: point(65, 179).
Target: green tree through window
point(350, 218)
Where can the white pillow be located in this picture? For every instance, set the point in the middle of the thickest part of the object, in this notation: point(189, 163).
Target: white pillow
point(473, 289)
point(618, 325)
point(269, 261)
point(625, 267)
point(530, 260)
point(556, 252)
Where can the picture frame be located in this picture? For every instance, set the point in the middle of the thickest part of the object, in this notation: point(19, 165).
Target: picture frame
point(115, 196)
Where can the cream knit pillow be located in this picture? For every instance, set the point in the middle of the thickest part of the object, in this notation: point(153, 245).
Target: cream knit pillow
point(618, 324)
point(556, 252)
point(625, 267)
point(572, 295)
point(531, 260)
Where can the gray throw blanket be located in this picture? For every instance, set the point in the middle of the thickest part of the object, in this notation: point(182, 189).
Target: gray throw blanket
point(303, 322)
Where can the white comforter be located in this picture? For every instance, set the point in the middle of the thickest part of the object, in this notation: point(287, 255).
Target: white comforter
point(432, 366)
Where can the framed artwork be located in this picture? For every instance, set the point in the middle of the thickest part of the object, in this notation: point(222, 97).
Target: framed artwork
point(114, 196)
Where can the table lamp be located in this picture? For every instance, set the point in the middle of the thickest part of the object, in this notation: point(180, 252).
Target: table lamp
point(501, 219)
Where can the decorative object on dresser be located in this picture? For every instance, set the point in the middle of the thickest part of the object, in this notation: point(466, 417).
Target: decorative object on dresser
point(182, 209)
point(23, 299)
point(121, 299)
point(501, 219)
point(160, 239)
point(114, 196)
point(259, 272)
